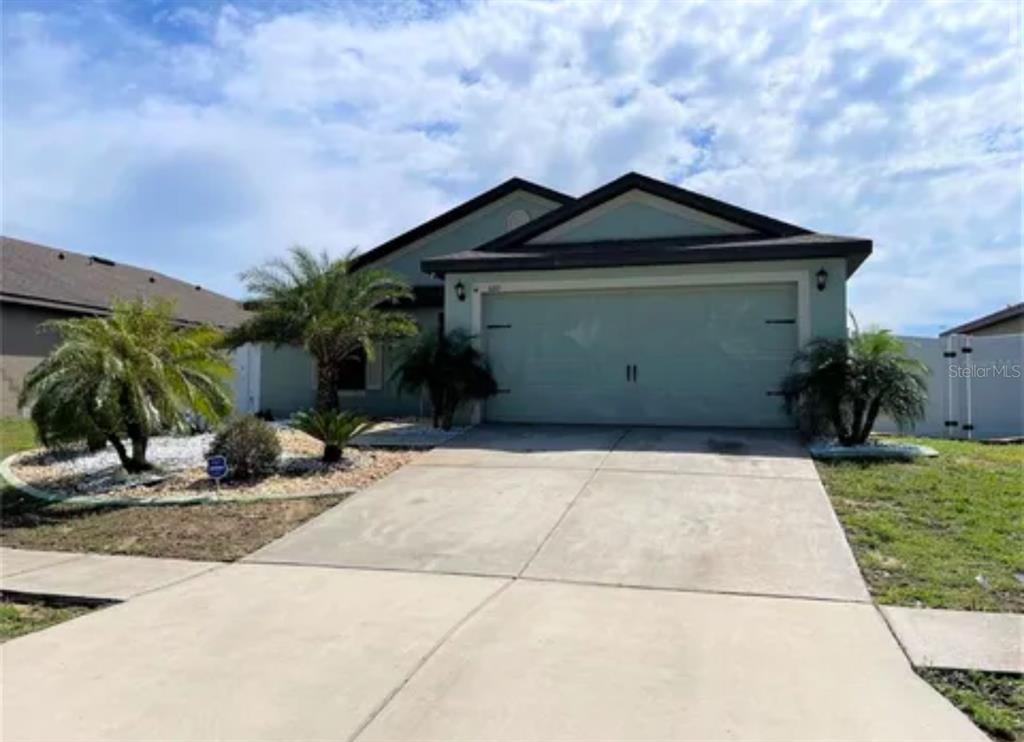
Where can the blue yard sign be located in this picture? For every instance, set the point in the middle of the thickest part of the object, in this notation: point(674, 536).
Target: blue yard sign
point(217, 466)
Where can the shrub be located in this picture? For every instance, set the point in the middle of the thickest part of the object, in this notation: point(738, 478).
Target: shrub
point(333, 428)
point(250, 446)
point(841, 386)
point(451, 370)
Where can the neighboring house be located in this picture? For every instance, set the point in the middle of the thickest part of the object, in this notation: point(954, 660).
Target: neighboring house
point(637, 303)
point(39, 283)
point(1007, 321)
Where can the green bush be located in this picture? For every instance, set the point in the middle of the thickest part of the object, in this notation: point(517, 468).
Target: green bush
point(450, 369)
point(841, 386)
point(251, 447)
point(332, 428)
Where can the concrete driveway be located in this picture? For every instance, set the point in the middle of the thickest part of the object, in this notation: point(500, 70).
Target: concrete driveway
point(647, 507)
point(521, 583)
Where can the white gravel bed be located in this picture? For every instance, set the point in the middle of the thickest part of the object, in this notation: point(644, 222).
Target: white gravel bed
point(166, 452)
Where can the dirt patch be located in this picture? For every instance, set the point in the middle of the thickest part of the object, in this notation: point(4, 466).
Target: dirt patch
point(216, 532)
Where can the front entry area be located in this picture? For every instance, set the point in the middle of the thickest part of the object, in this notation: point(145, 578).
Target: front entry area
point(690, 356)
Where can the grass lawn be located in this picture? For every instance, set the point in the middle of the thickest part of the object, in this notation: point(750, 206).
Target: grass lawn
point(17, 618)
point(937, 533)
point(221, 532)
point(994, 702)
point(16, 434)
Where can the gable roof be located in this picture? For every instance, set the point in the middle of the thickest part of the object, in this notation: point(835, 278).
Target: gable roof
point(37, 275)
point(772, 239)
point(453, 215)
point(994, 318)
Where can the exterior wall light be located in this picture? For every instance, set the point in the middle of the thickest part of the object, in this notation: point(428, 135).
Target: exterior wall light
point(460, 291)
point(822, 276)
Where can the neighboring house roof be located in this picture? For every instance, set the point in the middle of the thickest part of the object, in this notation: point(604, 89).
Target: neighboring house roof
point(1002, 315)
point(38, 275)
point(453, 215)
point(771, 239)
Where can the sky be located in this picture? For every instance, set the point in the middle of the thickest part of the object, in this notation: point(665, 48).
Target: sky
point(199, 138)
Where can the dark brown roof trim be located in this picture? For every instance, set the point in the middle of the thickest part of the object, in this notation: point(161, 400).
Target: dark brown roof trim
point(654, 252)
point(630, 181)
point(463, 210)
point(1000, 315)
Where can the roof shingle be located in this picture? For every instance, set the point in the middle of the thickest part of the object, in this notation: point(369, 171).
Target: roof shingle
point(44, 276)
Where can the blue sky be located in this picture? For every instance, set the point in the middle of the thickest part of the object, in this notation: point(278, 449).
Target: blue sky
point(198, 138)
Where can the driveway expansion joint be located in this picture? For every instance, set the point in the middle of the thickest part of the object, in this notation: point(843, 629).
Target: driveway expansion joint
point(426, 658)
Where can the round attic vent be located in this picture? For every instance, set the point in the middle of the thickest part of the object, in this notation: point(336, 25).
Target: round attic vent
point(516, 219)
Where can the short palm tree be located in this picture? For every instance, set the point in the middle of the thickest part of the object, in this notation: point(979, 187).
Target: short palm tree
point(844, 385)
point(450, 369)
point(131, 375)
point(327, 308)
point(334, 429)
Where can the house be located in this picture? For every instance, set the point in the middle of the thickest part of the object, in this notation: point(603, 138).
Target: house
point(39, 283)
point(637, 303)
point(1006, 321)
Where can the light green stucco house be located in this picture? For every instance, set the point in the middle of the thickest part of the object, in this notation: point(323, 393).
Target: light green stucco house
point(637, 303)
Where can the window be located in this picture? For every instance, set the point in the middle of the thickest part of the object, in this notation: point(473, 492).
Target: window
point(359, 374)
point(353, 372)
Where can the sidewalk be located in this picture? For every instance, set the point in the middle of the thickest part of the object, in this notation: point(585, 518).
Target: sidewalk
point(90, 577)
point(959, 640)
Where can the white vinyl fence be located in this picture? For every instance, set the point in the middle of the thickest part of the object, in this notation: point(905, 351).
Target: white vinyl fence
point(976, 386)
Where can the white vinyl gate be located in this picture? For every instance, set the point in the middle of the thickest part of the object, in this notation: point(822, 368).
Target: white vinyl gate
point(975, 389)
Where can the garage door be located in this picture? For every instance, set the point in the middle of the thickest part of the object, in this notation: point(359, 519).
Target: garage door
point(702, 356)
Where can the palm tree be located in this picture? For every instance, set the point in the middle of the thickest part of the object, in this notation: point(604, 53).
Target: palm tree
point(843, 385)
point(131, 374)
point(451, 370)
point(324, 306)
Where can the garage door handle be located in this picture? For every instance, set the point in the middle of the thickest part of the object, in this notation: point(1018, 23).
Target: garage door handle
point(629, 372)
point(634, 373)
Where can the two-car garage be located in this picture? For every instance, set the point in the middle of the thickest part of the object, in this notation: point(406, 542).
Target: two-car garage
point(664, 355)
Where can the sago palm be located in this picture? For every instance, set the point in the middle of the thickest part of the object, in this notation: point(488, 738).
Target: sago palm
point(844, 384)
point(131, 374)
point(334, 429)
point(325, 307)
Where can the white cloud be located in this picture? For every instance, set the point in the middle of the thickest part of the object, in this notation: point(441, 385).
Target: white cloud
point(203, 140)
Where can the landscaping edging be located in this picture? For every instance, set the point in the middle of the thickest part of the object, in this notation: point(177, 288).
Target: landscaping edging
point(7, 473)
point(873, 450)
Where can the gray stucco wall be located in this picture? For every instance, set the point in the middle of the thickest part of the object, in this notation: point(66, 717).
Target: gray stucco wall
point(1012, 326)
point(827, 308)
point(642, 221)
point(472, 231)
point(22, 345)
point(288, 380)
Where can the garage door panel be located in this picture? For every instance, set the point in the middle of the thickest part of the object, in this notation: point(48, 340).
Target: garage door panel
point(555, 358)
point(703, 355)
